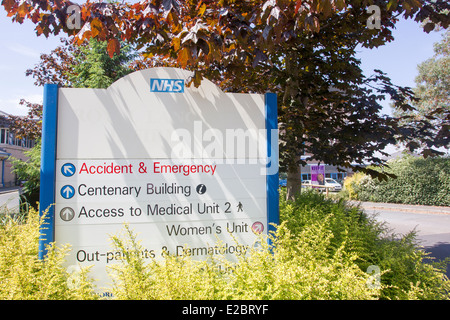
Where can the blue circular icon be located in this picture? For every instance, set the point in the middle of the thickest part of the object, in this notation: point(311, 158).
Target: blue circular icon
point(68, 169)
point(67, 191)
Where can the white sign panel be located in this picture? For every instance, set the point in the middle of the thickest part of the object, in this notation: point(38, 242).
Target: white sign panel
point(183, 166)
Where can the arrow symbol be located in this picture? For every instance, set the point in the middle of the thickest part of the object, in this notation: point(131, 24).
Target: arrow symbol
point(257, 227)
point(68, 169)
point(67, 214)
point(67, 192)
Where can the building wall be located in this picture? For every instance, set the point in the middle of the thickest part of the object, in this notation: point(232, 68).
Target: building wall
point(9, 144)
point(17, 152)
point(330, 172)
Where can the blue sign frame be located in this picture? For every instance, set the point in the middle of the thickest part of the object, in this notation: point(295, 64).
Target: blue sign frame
point(48, 165)
point(48, 168)
point(273, 209)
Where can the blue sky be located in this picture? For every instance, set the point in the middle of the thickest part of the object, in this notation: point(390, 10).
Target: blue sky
point(20, 49)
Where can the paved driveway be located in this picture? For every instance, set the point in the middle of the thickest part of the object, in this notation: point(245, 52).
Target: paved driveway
point(9, 200)
point(432, 224)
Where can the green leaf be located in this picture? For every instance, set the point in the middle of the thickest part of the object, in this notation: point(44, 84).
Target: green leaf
point(392, 5)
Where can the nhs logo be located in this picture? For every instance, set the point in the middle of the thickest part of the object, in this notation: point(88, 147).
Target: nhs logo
point(167, 85)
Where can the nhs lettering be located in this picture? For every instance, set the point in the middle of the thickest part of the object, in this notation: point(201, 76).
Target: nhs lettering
point(167, 85)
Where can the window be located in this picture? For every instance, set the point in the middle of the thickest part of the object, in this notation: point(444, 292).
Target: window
point(3, 135)
point(7, 137)
point(341, 175)
point(306, 176)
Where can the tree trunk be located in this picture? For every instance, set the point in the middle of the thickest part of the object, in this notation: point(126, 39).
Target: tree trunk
point(294, 180)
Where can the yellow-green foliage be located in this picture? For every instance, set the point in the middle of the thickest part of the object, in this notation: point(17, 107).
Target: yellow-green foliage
point(351, 182)
point(170, 278)
point(407, 271)
point(23, 275)
point(294, 267)
point(321, 250)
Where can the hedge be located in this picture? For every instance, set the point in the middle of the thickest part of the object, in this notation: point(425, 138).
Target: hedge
point(418, 181)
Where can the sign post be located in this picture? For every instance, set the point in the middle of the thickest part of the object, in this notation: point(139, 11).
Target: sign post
point(183, 166)
point(47, 174)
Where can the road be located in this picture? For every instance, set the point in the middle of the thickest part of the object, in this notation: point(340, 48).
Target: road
point(9, 201)
point(432, 225)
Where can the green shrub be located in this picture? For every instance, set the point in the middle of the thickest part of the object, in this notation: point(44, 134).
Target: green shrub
point(29, 171)
point(321, 250)
point(351, 185)
point(419, 181)
point(407, 271)
point(24, 276)
point(294, 267)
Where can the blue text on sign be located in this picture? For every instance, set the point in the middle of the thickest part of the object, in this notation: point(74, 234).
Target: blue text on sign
point(167, 85)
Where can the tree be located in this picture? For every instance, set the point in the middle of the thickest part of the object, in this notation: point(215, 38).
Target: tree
point(85, 65)
point(302, 50)
point(29, 126)
point(433, 81)
point(29, 171)
point(68, 65)
point(432, 94)
point(94, 68)
point(57, 66)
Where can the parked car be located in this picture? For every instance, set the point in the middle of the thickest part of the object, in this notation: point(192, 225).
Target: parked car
point(333, 183)
point(306, 182)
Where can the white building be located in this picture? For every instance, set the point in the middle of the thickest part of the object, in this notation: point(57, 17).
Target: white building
point(10, 147)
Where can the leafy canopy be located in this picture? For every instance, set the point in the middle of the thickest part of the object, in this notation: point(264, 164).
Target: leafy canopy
point(304, 50)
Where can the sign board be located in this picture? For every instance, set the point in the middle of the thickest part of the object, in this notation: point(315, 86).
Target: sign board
point(183, 166)
point(318, 174)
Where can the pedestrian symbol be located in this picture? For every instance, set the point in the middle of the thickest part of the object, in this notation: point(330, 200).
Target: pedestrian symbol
point(67, 192)
point(239, 206)
point(68, 170)
point(67, 214)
